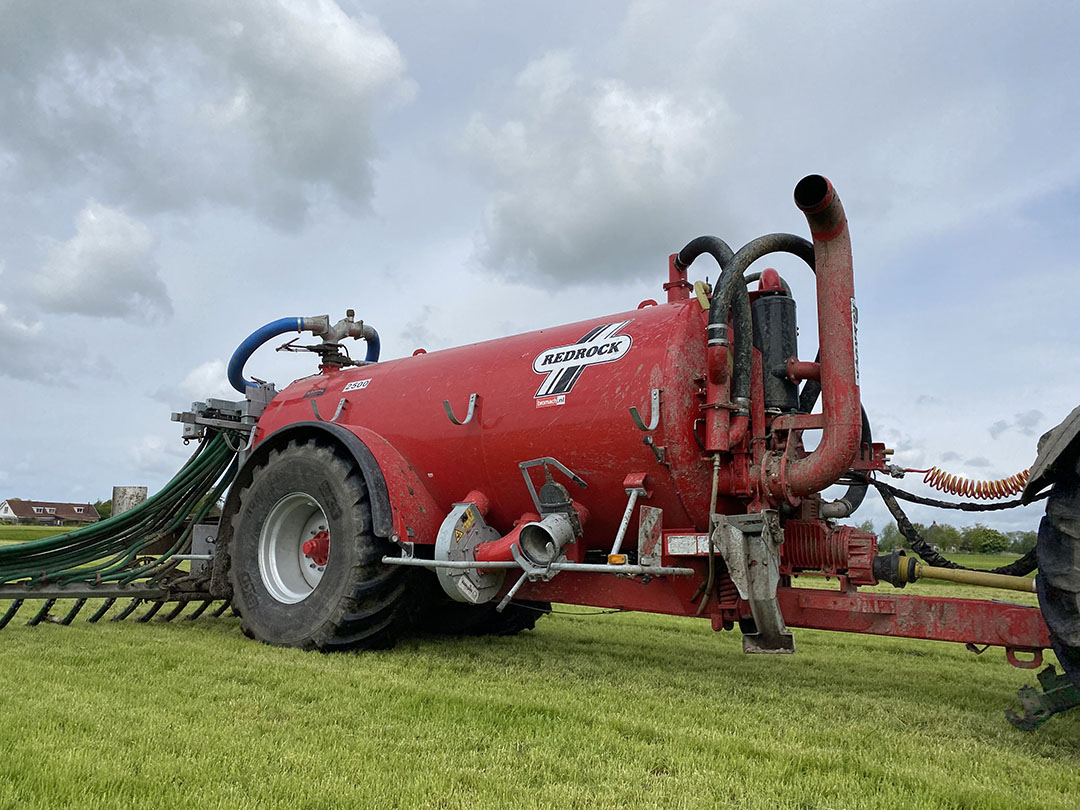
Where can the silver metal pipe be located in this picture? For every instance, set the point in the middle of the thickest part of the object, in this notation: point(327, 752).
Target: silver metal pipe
point(625, 522)
point(633, 570)
point(416, 562)
point(583, 568)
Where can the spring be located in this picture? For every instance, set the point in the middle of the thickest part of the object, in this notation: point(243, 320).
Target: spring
point(970, 488)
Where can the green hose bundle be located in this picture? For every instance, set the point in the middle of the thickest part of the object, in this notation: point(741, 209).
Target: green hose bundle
point(107, 551)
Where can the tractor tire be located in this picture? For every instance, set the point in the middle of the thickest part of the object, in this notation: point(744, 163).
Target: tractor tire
point(284, 596)
point(1058, 582)
point(445, 617)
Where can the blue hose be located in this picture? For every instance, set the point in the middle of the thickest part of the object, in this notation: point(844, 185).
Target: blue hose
point(373, 345)
point(280, 327)
point(254, 341)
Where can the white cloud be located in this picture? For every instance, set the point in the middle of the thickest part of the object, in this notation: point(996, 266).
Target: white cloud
point(156, 457)
point(105, 270)
point(22, 355)
point(589, 173)
point(207, 380)
point(263, 105)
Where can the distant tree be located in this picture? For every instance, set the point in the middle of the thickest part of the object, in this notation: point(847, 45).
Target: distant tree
point(1022, 542)
point(104, 508)
point(942, 535)
point(983, 540)
point(868, 526)
point(890, 538)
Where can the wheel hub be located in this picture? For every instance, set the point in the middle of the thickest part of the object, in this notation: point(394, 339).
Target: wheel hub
point(294, 546)
point(317, 549)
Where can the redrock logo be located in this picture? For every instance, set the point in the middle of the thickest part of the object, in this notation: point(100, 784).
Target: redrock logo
point(563, 365)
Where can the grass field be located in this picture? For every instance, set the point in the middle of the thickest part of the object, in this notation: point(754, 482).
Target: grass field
point(611, 710)
point(21, 534)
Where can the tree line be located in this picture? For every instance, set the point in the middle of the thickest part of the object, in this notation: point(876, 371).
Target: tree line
point(977, 539)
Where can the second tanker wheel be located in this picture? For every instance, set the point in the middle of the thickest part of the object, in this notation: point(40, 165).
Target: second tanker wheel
point(1058, 581)
point(305, 565)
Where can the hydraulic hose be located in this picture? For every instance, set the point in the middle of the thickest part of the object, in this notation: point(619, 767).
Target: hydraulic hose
point(253, 342)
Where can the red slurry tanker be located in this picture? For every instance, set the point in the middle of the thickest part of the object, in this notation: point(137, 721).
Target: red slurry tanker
point(648, 460)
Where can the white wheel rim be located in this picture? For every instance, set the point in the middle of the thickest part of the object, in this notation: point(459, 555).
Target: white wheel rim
point(288, 574)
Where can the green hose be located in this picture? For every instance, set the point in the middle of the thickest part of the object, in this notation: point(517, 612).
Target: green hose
point(106, 551)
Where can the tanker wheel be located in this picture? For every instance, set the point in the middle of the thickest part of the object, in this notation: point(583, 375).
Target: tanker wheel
point(305, 565)
point(1058, 582)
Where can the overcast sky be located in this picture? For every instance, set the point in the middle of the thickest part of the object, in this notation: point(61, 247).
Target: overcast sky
point(174, 175)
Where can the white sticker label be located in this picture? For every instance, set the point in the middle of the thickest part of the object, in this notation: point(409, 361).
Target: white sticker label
point(356, 385)
point(855, 336)
point(688, 544)
point(468, 589)
point(549, 401)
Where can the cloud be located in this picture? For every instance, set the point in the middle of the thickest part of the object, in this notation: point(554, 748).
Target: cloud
point(267, 106)
point(105, 270)
point(589, 173)
point(949, 455)
point(22, 355)
point(978, 461)
point(155, 457)
point(1026, 423)
point(208, 380)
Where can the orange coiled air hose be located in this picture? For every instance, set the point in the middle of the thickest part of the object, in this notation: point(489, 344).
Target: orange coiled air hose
point(971, 488)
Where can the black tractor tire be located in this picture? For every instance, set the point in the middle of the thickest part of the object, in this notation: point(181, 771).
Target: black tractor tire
point(358, 602)
point(1058, 582)
point(444, 616)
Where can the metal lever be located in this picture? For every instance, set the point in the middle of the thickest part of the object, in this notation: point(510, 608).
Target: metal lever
point(654, 419)
point(315, 410)
point(468, 415)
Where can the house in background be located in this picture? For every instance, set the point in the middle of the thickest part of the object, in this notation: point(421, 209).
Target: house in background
point(47, 513)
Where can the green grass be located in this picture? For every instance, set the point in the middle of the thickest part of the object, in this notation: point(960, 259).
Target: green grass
point(21, 534)
point(588, 711)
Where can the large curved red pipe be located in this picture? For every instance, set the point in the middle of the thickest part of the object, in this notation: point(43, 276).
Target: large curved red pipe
point(837, 315)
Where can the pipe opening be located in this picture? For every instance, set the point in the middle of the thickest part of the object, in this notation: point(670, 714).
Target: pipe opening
point(811, 191)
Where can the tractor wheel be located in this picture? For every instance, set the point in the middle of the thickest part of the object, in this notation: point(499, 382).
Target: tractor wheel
point(1058, 582)
point(445, 617)
point(305, 565)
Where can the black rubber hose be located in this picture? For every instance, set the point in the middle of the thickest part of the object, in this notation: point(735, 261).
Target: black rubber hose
point(713, 245)
point(718, 316)
point(732, 296)
point(1018, 568)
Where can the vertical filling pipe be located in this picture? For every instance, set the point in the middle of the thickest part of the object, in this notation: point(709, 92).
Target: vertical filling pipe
point(817, 199)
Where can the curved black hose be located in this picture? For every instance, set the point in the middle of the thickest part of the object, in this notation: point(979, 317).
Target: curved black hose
point(1017, 568)
point(731, 296)
point(713, 245)
point(718, 320)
